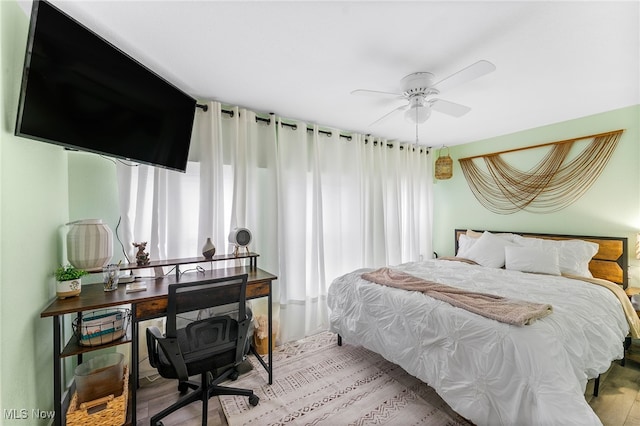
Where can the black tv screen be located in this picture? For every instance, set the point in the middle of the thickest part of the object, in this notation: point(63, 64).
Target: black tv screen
point(81, 92)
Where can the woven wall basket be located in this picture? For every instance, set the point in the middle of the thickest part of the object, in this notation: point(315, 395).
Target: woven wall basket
point(444, 166)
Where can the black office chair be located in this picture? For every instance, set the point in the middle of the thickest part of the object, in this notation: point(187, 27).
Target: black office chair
point(211, 347)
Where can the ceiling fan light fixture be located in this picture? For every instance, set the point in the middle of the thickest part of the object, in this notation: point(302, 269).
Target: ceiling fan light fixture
point(419, 88)
point(417, 114)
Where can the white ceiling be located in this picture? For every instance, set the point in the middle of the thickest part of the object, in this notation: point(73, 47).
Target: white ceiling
point(555, 60)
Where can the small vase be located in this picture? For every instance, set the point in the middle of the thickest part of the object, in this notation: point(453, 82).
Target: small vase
point(68, 288)
point(209, 249)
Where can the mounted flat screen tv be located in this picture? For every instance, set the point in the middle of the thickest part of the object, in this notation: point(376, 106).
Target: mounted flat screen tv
point(83, 93)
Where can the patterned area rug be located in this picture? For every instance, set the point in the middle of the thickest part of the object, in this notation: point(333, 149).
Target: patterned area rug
point(315, 381)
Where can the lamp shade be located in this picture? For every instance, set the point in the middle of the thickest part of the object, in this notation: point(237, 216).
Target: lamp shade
point(419, 109)
point(638, 245)
point(89, 244)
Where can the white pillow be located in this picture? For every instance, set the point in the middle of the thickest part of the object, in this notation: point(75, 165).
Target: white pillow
point(574, 255)
point(527, 241)
point(466, 241)
point(488, 250)
point(532, 259)
point(464, 244)
point(506, 235)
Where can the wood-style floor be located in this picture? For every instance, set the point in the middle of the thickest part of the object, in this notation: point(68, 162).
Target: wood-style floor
point(154, 396)
point(618, 403)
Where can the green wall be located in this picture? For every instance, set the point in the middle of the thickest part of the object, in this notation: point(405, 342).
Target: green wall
point(610, 207)
point(93, 192)
point(42, 187)
point(33, 207)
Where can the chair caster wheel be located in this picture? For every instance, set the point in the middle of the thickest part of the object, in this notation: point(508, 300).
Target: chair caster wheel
point(183, 387)
point(253, 400)
point(234, 375)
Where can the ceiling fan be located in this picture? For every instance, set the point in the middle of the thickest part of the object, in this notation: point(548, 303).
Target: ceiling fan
point(418, 89)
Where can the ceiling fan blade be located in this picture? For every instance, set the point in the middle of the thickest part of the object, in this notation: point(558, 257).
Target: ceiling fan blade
point(449, 108)
point(364, 92)
point(469, 73)
point(389, 114)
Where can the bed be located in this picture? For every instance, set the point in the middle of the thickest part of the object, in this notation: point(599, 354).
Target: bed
point(489, 371)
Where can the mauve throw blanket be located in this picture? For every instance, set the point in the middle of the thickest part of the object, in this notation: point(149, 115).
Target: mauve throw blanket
point(510, 311)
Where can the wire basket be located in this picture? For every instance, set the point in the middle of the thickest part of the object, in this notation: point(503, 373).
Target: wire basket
point(95, 328)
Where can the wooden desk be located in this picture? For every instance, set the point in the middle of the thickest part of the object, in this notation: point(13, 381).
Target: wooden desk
point(148, 304)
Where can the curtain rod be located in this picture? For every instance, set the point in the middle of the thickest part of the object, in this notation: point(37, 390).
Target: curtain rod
point(231, 113)
point(543, 144)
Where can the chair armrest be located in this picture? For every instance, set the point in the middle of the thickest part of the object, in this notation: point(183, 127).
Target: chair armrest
point(243, 345)
point(153, 335)
point(171, 350)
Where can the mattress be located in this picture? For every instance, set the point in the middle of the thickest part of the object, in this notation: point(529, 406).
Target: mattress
point(489, 372)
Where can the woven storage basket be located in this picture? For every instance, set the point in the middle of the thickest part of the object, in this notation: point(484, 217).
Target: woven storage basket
point(107, 411)
point(262, 345)
point(444, 166)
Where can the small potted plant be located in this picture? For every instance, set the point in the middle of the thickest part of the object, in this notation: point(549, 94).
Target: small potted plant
point(68, 281)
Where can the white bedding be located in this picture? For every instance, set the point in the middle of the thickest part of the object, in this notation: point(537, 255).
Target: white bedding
point(489, 372)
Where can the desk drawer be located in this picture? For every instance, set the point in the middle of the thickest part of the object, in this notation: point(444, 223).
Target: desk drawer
point(158, 307)
point(151, 308)
point(258, 289)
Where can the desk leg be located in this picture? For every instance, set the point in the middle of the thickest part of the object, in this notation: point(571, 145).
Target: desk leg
point(79, 356)
point(270, 317)
point(268, 367)
point(134, 364)
point(57, 371)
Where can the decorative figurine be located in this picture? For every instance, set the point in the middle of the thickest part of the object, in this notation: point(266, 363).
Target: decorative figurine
point(142, 258)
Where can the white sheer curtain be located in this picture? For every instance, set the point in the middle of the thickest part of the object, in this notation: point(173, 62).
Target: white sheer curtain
point(303, 284)
point(318, 205)
point(344, 204)
point(161, 206)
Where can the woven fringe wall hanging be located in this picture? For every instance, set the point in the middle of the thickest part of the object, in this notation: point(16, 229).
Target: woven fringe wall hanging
point(549, 186)
point(444, 165)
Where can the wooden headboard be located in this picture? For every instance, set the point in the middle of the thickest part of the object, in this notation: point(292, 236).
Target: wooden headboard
point(609, 263)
